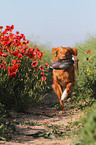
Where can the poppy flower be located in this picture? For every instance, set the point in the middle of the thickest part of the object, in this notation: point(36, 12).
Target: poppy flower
point(15, 67)
point(12, 27)
point(26, 42)
point(13, 61)
point(17, 60)
point(20, 55)
point(41, 68)
point(1, 27)
point(13, 74)
point(46, 64)
point(8, 28)
point(42, 73)
point(12, 70)
point(4, 54)
point(15, 53)
point(22, 36)
point(11, 35)
point(4, 32)
point(3, 65)
point(34, 63)
point(40, 54)
point(19, 64)
point(43, 78)
point(17, 32)
point(89, 51)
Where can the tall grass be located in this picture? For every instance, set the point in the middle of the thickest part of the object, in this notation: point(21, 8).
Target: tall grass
point(86, 81)
point(86, 91)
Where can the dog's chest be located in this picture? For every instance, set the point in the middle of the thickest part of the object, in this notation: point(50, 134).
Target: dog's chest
point(63, 76)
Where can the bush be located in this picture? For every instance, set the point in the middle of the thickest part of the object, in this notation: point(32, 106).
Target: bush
point(86, 81)
point(22, 72)
point(87, 135)
point(86, 91)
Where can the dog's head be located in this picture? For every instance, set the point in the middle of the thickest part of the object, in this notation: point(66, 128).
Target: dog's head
point(64, 52)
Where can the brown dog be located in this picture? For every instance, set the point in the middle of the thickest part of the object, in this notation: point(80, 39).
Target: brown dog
point(64, 78)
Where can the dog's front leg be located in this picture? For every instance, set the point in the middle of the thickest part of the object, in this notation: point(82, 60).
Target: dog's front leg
point(58, 91)
point(67, 92)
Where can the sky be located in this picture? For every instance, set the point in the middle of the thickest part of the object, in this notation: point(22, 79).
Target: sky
point(56, 22)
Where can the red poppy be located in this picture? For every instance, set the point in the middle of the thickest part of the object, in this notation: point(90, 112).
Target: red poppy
point(17, 60)
point(8, 28)
point(0, 54)
point(15, 53)
point(26, 42)
point(31, 53)
point(1, 27)
point(12, 27)
point(15, 67)
point(19, 64)
point(13, 61)
point(23, 52)
point(13, 74)
point(43, 78)
point(41, 68)
point(3, 65)
point(40, 54)
point(42, 73)
point(20, 55)
point(89, 51)
point(34, 63)
point(9, 70)
point(4, 32)
point(11, 35)
point(12, 70)
point(22, 36)
point(17, 32)
point(4, 54)
point(46, 64)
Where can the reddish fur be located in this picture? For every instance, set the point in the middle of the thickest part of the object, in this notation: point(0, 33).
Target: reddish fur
point(63, 79)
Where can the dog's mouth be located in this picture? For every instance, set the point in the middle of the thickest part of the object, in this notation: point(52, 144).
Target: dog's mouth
point(64, 57)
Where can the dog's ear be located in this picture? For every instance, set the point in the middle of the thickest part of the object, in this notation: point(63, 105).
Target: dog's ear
point(54, 50)
point(74, 51)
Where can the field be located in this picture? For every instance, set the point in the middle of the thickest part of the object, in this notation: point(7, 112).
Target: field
point(29, 109)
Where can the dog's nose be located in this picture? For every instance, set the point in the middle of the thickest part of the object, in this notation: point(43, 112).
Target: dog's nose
point(63, 56)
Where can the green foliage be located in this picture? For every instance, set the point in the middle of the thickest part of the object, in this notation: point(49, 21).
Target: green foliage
point(87, 134)
point(7, 124)
point(86, 92)
point(26, 88)
point(86, 81)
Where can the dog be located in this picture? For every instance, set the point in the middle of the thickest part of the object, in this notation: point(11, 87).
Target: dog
point(64, 79)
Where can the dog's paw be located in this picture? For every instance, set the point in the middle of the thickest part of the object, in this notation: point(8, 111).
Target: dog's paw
point(64, 95)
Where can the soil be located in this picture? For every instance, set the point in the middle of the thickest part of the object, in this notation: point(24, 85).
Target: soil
point(38, 120)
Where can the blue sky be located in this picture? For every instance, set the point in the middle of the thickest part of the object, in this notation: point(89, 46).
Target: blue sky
point(58, 22)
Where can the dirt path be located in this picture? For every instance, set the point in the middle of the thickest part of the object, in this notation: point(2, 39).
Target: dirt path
point(39, 124)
